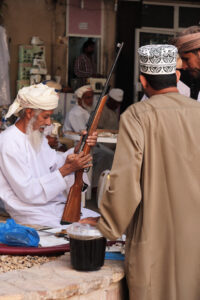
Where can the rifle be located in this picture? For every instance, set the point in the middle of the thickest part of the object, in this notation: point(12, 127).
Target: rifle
point(72, 208)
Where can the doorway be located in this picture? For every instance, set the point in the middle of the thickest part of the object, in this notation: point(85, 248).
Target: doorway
point(75, 49)
point(159, 22)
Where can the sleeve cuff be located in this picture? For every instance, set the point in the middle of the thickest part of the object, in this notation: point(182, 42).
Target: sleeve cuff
point(106, 233)
point(53, 184)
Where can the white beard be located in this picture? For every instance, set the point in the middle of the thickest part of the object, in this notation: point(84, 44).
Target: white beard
point(87, 107)
point(35, 136)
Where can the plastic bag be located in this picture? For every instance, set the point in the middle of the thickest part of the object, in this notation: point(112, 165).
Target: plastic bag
point(13, 234)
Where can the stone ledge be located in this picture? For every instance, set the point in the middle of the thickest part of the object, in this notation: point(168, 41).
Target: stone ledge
point(57, 280)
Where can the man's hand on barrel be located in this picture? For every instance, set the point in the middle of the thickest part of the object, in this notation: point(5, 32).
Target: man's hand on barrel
point(91, 140)
point(91, 220)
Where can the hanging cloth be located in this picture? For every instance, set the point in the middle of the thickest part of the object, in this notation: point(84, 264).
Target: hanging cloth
point(4, 69)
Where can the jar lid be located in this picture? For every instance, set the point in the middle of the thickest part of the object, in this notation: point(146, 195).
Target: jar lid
point(83, 230)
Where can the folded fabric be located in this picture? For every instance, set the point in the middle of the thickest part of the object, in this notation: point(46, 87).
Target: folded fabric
point(13, 234)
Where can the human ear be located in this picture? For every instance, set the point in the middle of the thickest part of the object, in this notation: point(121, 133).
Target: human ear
point(143, 81)
point(29, 113)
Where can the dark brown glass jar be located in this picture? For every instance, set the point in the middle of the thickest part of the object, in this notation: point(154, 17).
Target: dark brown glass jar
point(87, 255)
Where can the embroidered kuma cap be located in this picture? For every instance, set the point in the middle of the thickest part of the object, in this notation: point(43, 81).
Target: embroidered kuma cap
point(158, 59)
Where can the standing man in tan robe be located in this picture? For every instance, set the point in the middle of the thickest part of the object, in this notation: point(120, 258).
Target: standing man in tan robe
point(154, 189)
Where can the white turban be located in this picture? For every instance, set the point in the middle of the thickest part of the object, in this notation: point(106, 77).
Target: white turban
point(37, 96)
point(83, 89)
point(116, 94)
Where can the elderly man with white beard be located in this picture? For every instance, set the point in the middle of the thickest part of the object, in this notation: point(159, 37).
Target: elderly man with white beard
point(35, 179)
point(76, 119)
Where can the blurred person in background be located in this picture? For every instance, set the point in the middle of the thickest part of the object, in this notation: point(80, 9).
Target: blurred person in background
point(85, 65)
point(188, 43)
point(110, 116)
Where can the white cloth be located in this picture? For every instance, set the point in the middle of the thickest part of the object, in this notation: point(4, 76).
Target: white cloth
point(31, 186)
point(76, 119)
point(198, 99)
point(37, 96)
point(83, 89)
point(48, 130)
point(116, 94)
point(183, 88)
point(4, 69)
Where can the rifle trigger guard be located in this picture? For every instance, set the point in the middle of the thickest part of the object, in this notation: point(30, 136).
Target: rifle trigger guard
point(86, 170)
point(84, 187)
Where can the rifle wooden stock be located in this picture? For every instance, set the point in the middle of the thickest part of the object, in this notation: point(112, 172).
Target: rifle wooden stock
point(73, 205)
point(72, 208)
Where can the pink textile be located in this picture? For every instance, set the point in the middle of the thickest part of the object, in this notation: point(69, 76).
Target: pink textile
point(188, 42)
